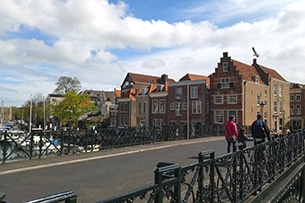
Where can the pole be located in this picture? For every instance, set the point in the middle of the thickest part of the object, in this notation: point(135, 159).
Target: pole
point(30, 122)
point(44, 113)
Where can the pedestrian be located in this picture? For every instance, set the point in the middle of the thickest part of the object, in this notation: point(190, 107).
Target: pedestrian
point(231, 133)
point(242, 138)
point(260, 130)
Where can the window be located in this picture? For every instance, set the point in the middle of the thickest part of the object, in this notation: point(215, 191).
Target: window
point(298, 97)
point(144, 107)
point(178, 93)
point(274, 90)
point(298, 110)
point(232, 99)
point(225, 66)
point(184, 106)
point(196, 107)
point(218, 99)
point(158, 121)
point(256, 79)
point(121, 107)
point(155, 106)
point(172, 106)
point(125, 107)
point(161, 106)
point(194, 92)
point(281, 106)
point(280, 91)
point(275, 106)
point(291, 98)
point(258, 99)
point(291, 110)
point(225, 83)
point(178, 109)
point(232, 113)
point(139, 107)
point(219, 117)
point(265, 92)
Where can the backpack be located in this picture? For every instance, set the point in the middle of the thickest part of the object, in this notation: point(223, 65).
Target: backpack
point(258, 128)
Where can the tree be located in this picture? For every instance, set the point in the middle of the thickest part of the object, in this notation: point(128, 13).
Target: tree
point(73, 106)
point(67, 84)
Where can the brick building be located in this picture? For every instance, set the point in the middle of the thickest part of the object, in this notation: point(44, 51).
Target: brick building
point(243, 91)
point(297, 113)
point(188, 101)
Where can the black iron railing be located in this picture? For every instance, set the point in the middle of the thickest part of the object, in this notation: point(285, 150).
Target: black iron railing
point(37, 144)
point(234, 177)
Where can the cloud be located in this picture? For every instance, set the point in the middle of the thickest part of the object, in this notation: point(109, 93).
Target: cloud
point(99, 42)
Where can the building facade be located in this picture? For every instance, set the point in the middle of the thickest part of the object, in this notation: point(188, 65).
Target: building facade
point(297, 113)
point(188, 103)
point(243, 91)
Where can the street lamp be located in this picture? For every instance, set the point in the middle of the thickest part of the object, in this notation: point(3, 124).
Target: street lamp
point(262, 104)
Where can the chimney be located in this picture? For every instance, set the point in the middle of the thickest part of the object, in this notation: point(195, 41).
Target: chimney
point(164, 79)
point(225, 54)
point(254, 61)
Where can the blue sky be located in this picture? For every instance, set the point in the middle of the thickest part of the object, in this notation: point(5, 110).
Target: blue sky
point(99, 41)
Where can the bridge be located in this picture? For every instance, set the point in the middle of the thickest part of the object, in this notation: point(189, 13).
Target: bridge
point(272, 171)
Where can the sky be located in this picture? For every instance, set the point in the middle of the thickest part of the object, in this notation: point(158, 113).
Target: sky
point(100, 41)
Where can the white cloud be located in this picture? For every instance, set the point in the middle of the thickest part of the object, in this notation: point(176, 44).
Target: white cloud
point(41, 41)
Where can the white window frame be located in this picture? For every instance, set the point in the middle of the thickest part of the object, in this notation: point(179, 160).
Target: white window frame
point(178, 93)
point(232, 113)
point(298, 110)
point(280, 91)
point(172, 106)
point(274, 89)
point(162, 106)
point(224, 82)
point(154, 106)
point(218, 99)
point(232, 99)
point(218, 117)
point(258, 99)
point(196, 107)
point(194, 92)
point(291, 110)
point(225, 66)
point(178, 109)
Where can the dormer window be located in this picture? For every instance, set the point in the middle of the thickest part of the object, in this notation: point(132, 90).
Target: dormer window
point(256, 79)
point(225, 66)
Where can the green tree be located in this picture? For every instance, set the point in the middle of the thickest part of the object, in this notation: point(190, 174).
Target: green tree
point(67, 84)
point(73, 106)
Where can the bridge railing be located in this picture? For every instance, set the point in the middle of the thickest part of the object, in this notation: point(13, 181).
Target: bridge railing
point(233, 177)
point(37, 144)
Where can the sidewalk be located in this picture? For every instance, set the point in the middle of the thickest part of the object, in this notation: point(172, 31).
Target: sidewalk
point(18, 166)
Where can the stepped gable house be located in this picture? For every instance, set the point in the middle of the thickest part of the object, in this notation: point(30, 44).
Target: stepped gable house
point(243, 91)
point(138, 92)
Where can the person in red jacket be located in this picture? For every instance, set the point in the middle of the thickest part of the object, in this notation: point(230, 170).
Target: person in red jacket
point(231, 133)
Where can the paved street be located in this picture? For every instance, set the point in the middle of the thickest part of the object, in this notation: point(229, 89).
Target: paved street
point(99, 175)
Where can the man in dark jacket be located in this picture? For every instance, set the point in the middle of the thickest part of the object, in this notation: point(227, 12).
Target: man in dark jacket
point(260, 130)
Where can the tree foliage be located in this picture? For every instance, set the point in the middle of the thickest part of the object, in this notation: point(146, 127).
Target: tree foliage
point(67, 84)
point(73, 106)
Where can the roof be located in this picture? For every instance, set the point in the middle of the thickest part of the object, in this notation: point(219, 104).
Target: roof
point(146, 79)
point(248, 72)
point(193, 77)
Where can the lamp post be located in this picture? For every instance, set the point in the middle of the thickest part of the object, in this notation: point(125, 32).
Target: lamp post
point(283, 130)
point(262, 104)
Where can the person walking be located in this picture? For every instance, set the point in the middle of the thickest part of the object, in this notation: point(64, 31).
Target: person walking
point(231, 134)
point(242, 138)
point(260, 130)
